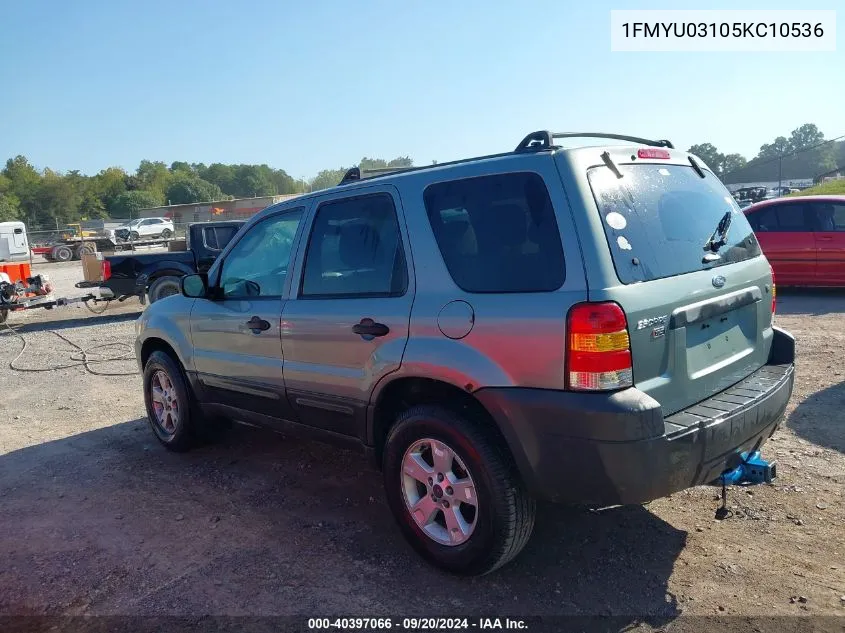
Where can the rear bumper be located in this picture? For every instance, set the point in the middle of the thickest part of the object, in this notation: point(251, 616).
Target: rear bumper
point(618, 448)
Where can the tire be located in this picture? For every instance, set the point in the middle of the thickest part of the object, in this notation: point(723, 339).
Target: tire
point(503, 516)
point(164, 287)
point(161, 369)
point(62, 254)
point(4, 314)
point(166, 233)
point(134, 236)
point(86, 247)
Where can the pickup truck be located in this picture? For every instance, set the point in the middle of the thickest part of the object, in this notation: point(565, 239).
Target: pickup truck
point(158, 275)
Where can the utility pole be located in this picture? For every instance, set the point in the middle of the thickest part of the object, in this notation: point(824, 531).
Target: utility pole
point(780, 171)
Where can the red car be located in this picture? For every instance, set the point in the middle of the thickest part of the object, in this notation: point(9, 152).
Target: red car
point(803, 238)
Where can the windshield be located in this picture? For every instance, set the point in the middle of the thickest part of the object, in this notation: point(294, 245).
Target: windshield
point(658, 220)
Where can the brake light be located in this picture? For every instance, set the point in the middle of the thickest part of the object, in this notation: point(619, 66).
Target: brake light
point(105, 267)
point(653, 153)
point(774, 291)
point(598, 350)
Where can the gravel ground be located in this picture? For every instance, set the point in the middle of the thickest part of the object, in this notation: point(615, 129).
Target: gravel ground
point(97, 518)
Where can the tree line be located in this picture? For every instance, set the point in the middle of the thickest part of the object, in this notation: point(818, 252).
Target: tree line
point(804, 154)
point(46, 198)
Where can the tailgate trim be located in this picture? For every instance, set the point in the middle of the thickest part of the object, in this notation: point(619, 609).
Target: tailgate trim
point(703, 310)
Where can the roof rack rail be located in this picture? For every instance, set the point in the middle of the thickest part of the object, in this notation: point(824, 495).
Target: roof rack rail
point(381, 171)
point(352, 174)
point(543, 139)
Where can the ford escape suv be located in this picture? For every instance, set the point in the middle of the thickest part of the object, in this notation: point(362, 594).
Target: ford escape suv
point(589, 325)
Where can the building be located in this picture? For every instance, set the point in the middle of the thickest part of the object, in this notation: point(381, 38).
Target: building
point(237, 209)
point(794, 183)
point(835, 174)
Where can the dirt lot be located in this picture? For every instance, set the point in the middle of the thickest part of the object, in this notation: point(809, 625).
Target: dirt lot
point(97, 518)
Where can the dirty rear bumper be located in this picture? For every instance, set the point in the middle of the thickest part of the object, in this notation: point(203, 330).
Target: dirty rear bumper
point(618, 448)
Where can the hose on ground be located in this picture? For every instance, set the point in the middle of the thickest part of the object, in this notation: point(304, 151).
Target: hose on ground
point(83, 357)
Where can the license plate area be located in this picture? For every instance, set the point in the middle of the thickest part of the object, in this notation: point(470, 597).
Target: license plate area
point(719, 341)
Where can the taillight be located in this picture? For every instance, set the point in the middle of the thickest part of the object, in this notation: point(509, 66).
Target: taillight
point(774, 291)
point(598, 350)
point(105, 267)
point(653, 153)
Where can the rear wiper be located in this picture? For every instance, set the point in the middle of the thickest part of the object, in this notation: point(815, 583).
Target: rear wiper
point(720, 236)
point(610, 164)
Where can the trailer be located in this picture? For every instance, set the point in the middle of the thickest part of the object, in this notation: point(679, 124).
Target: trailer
point(34, 293)
point(73, 247)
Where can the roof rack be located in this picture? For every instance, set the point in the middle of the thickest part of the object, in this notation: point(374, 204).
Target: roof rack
point(543, 139)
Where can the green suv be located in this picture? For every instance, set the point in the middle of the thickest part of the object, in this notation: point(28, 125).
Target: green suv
point(588, 325)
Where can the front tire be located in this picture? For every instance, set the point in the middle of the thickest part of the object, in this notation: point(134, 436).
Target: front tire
point(171, 411)
point(455, 492)
point(134, 235)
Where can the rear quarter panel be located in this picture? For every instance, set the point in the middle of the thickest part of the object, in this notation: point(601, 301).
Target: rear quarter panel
point(516, 339)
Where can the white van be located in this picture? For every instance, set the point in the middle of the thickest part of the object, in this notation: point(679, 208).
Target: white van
point(13, 243)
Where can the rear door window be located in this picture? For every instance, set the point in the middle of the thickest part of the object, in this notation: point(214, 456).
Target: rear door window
point(497, 233)
point(657, 219)
point(828, 216)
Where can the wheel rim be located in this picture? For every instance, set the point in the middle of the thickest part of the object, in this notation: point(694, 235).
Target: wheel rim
point(439, 492)
point(166, 290)
point(166, 407)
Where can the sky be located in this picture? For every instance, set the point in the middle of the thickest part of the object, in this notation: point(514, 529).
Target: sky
point(318, 84)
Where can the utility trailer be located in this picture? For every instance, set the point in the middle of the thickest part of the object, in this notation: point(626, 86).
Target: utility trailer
point(33, 293)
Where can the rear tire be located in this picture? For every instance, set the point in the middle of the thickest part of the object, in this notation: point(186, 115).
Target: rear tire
point(164, 287)
point(502, 519)
point(86, 247)
point(166, 233)
point(62, 254)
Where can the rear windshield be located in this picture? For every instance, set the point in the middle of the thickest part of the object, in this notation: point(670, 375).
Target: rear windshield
point(658, 218)
point(497, 233)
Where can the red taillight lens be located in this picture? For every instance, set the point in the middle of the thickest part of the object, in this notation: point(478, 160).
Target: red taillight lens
point(653, 153)
point(105, 267)
point(598, 350)
point(774, 291)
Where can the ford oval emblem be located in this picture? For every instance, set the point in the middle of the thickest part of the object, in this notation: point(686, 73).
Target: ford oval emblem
point(718, 281)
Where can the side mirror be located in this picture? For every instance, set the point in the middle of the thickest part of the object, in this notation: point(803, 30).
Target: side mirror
point(195, 286)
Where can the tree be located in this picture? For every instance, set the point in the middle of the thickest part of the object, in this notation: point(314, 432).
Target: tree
point(779, 147)
point(180, 165)
point(129, 203)
point(24, 181)
point(327, 178)
point(710, 155)
point(805, 136)
point(152, 176)
point(219, 174)
point(251, 181)
point(186, 188)
point(732, 163)
point(9, 209)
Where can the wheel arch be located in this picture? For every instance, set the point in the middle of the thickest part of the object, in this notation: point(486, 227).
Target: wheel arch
point(403, 392)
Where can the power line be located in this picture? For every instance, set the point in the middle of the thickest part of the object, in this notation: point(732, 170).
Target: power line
point(782, 156)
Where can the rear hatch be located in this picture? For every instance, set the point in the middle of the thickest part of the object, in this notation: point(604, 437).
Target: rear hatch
point(695, 286)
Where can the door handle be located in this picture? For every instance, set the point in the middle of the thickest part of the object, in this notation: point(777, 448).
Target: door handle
point(824, 238)
point(258, 325)
point(368, 327)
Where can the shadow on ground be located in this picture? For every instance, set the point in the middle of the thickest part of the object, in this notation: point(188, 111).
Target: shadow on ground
point(818, 419)
point(108, 522)
point(74, 322)
point(810, 301)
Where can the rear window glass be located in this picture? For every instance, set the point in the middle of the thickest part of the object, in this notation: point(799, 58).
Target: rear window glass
point(497, 233)
point(658, 218)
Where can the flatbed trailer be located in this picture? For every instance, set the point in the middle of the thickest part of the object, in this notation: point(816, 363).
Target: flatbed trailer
point(73, 247)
